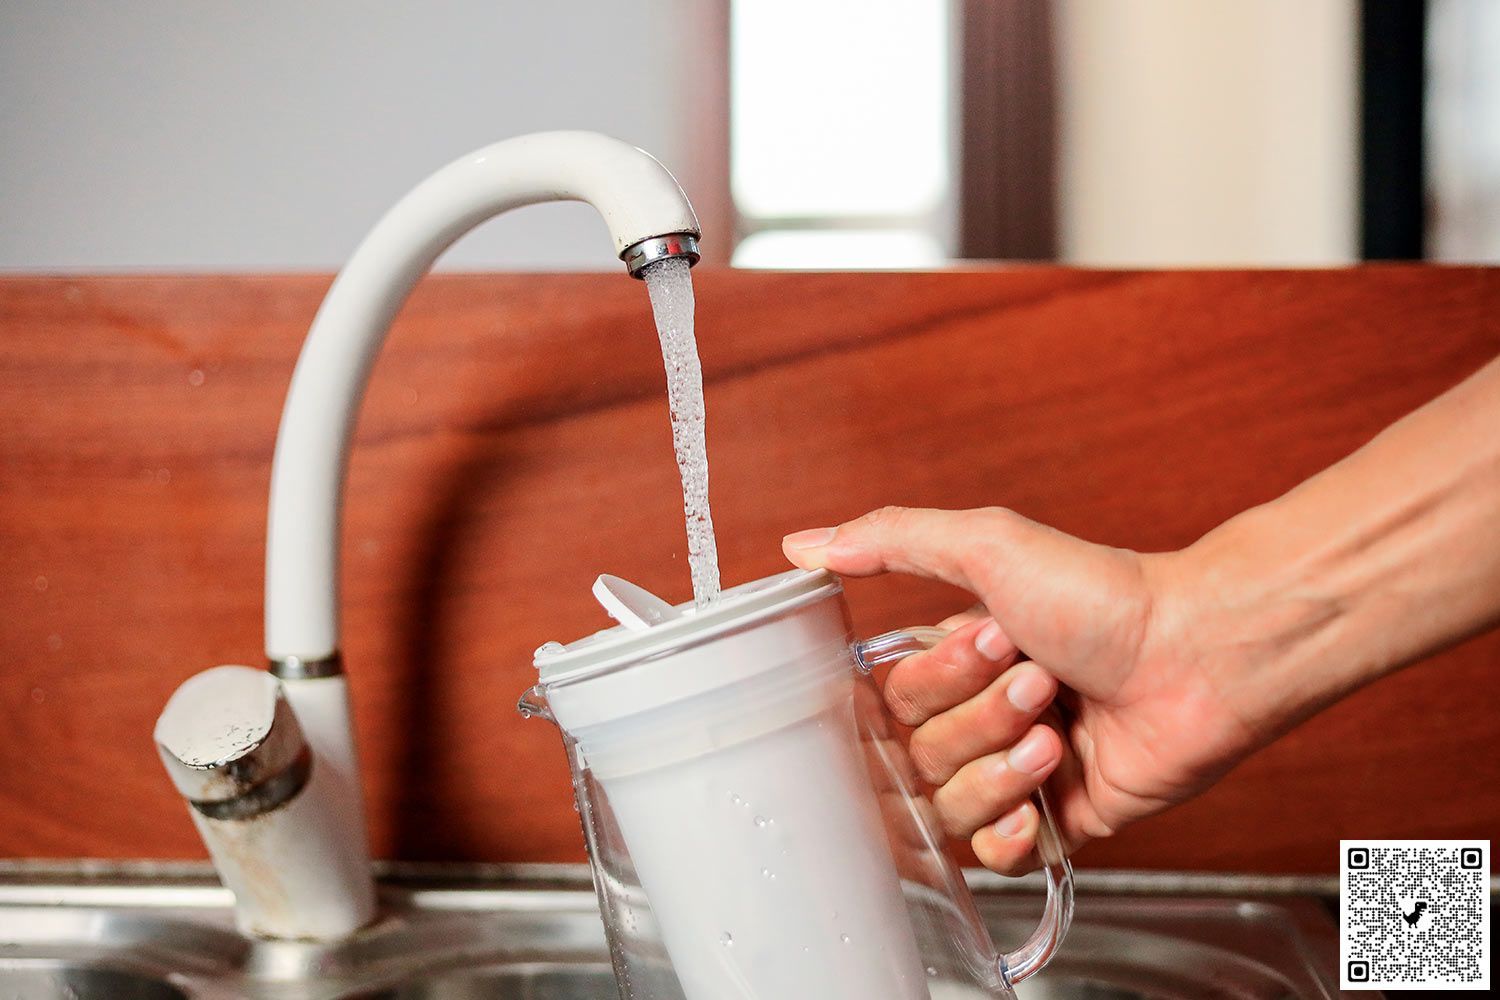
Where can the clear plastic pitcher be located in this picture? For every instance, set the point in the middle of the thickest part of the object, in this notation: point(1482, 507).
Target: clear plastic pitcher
point(754, 828)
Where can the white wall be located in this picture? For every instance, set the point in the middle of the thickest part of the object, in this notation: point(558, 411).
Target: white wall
point(1208, 131)
point(1463, 131)
point(210, 135)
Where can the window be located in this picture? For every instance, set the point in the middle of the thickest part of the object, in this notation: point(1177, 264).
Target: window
point(841, 133)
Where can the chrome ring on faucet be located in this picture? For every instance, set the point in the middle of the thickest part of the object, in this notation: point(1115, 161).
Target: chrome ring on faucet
point(298, 668)
point(639, 256)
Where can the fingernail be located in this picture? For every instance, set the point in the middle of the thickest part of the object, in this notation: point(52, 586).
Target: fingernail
point(1032, 754)
point(1029, 691)
point(812, 538)
point(1012, 822)
point(991, 642)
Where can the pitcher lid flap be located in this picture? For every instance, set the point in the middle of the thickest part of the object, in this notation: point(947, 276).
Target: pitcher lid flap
point(651, 625)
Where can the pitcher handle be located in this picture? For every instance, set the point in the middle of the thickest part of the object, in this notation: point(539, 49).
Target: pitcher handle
point(1057, 915)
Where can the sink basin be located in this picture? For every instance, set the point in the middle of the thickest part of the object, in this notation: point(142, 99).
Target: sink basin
point(155, 932)
point(54, 979)
point(544, 982)
point(533, 981)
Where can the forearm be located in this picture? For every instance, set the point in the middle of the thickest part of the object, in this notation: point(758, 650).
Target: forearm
point(1390, 555)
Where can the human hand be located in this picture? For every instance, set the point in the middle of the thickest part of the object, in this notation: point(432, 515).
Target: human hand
point(1141, 721)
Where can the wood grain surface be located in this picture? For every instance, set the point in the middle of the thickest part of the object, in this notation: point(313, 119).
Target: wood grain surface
point(515, 443)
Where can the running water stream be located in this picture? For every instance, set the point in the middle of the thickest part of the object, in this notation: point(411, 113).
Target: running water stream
point(670, 286)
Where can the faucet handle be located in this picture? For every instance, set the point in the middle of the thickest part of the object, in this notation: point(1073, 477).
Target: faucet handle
point(279, 835)
point(232, 744)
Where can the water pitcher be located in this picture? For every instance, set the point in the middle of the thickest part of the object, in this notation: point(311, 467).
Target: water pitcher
point(754, 827)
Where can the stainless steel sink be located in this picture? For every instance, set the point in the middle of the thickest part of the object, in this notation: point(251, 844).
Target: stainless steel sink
point(165, 932)
point(44, 979)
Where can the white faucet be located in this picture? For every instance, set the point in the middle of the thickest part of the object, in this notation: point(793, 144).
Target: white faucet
point(651, 220)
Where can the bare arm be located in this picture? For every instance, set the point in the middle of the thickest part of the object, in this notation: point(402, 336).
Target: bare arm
point(1388, 556)
point(1175, 666)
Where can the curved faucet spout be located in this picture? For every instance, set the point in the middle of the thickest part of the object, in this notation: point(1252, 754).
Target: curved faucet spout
point(649, 218)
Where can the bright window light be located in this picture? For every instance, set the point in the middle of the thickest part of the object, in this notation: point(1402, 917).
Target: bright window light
point(828, 249)
point(839, 108)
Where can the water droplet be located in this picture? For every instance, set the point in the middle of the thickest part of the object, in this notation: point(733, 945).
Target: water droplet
point(195, 377)
point(54, 642)
point(548, 648)
point(767, 873)
point(38, 695)
point(762, 822)
point(726, 939)
point(40, 583)
point(733, 797)
point(844, 938)
point(931, 971)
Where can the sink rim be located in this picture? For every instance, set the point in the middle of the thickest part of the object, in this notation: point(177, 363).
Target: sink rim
point(441, 923)
point(194, 884)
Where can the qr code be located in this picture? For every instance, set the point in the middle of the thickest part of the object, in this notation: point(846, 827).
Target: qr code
point(1414, 914)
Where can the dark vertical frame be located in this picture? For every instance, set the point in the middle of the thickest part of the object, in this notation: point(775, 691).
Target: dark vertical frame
point(1008, 145)
point(1392, 70)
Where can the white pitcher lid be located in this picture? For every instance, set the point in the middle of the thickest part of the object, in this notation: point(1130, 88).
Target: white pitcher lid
point(651, 626)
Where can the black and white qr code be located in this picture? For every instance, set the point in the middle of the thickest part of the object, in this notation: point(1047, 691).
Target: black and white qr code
point(1414, 914)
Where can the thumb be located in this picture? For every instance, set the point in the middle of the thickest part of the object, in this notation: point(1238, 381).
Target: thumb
point(948, 545)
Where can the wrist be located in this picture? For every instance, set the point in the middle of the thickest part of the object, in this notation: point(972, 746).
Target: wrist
point(1264, 621)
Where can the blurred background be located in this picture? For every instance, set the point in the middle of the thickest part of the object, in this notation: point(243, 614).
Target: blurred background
point(164, 135)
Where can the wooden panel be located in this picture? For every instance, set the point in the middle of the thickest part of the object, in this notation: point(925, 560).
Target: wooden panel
point(515, 443)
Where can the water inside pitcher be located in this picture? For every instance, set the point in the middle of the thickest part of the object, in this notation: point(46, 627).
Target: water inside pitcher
point(754, 826)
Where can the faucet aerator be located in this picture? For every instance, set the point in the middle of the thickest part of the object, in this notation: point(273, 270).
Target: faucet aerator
point(639, 256)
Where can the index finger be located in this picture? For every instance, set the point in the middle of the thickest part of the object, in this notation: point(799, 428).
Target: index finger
point(950, 673)
point(942, 545)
